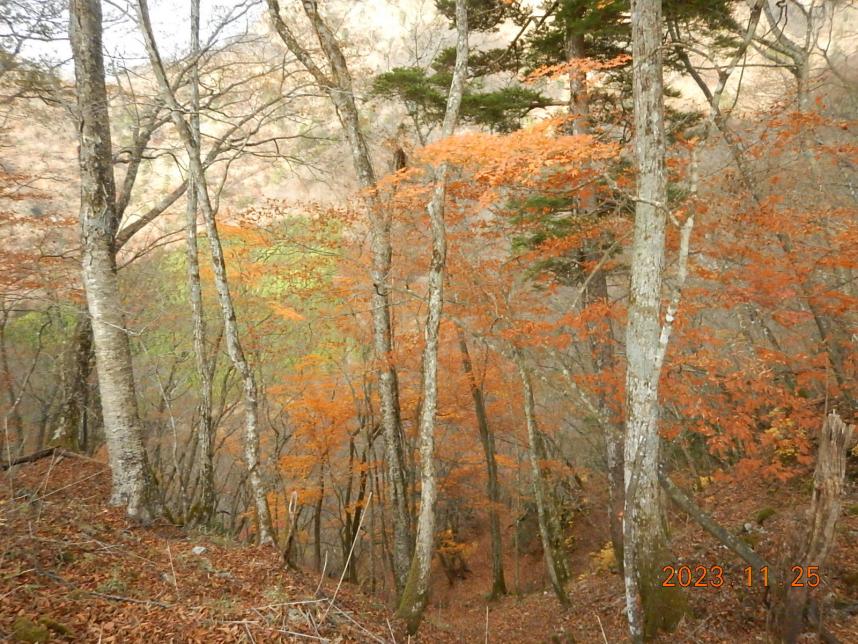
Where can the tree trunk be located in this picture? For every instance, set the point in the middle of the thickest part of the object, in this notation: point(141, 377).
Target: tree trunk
point(416, 591)
point(597, 292)
point(492, 487)
point(204, 510)
point(339, 89)
point(828, 484)
point(650, 606)
point(549, 528)
point(132, 484)
point(603, 358)
point(233, 341)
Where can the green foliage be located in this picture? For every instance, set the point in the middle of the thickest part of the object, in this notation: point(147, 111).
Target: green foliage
point(422, 95)
point(485, 15)
point(599, 28)
point(501, 110)
point(480, 62)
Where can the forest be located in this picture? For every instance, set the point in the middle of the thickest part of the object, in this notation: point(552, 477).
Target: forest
point(429, 321)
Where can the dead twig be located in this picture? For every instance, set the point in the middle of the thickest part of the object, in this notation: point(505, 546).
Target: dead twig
point(173, 570)
point(601, 628)
point(130, 600)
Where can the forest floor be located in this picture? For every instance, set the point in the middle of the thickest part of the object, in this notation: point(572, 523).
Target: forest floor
point(73, 569)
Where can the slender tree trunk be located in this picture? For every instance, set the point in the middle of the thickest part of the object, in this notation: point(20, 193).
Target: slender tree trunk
point(415, 595)
point(339, 89)
point(233, 341)
point(549, 528)
point(132, 484)
point(492, 486)
point(650, 606)
point(603, 358)
point(205, 506)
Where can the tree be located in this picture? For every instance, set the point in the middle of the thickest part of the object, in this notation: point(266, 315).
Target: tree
point(233, 341)
point(206, 507)
point(338, 86)
point(650, 605)
point(132, 483)
point(416, 591)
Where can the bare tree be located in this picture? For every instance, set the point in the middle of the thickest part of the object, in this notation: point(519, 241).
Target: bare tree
point(233, 341)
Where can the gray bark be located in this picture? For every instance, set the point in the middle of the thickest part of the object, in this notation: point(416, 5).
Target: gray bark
point(339, 90)
point(233, 341)
point(650, 606)
point(205, 506)
point(132, 485)
point(415, 594)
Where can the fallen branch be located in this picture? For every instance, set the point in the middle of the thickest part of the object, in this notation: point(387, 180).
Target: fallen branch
point(30, 458)
point(45, 453)
point(706, 522)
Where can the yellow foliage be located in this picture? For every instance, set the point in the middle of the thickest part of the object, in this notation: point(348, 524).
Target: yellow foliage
point(605, 560)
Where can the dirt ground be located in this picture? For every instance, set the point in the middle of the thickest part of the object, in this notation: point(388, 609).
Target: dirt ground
point(72, 569)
